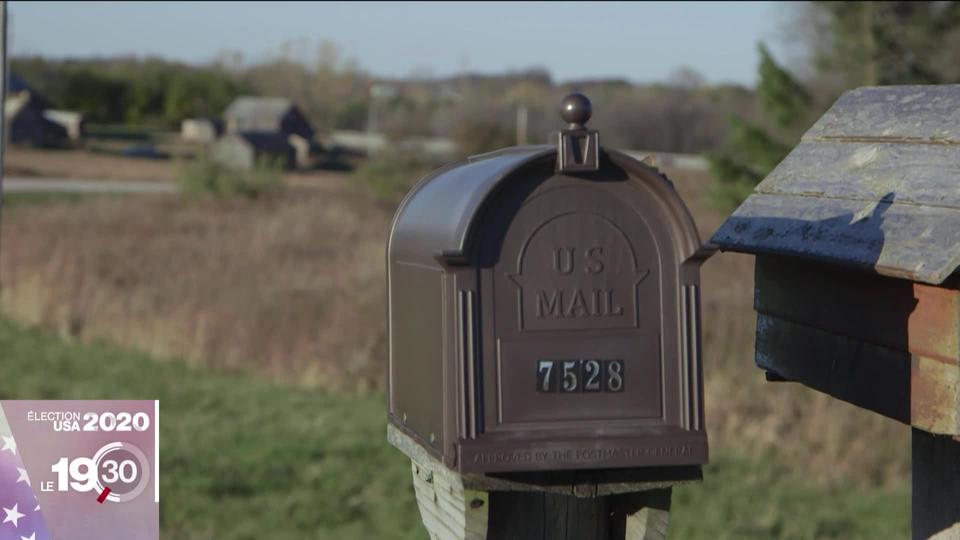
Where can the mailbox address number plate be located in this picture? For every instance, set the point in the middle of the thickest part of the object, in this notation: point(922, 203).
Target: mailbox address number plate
point(587, 375)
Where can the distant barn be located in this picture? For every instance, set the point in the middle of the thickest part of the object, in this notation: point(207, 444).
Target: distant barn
point(261, 126)
point(71, 121)
point(247, 150)
point(201, 130)
point(30, 119)
point(266, 115)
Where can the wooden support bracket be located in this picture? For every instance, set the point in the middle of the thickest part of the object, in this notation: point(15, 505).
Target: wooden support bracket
point(455, 506)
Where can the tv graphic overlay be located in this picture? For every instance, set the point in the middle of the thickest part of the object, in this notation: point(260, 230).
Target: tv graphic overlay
point(79, 470)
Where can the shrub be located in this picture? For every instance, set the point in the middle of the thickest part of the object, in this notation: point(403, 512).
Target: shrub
point(205, 176)
point(393, 172)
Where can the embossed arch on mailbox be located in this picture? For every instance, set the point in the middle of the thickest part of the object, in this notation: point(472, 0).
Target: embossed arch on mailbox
point(597, 301)
point(544, 241)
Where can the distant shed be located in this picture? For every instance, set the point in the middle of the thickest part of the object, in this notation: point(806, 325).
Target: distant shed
point(245, 150)
point(266, 115)
point(200, 130)
point(25, 116)
point(71, 121)
point(17, 85)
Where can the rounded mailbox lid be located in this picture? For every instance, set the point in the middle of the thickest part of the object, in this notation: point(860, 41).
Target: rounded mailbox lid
point(436, 221)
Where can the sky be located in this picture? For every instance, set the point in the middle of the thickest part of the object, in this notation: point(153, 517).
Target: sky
point(641, 42)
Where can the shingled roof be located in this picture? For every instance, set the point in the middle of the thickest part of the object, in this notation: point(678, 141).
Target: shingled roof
point(874, 184)
point(16, 85)
point(266, 114)
point(266, 109)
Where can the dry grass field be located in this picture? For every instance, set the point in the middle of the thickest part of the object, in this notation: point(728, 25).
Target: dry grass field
point(87, 165)
point(22, 161)
point(291, 288)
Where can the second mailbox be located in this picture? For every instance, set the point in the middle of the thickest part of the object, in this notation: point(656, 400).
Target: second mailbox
point(544, 311)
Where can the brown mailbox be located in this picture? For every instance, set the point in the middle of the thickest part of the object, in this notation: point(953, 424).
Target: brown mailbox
point(544, 311)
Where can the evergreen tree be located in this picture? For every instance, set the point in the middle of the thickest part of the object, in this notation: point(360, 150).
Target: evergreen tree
point(752, 150)
point(882, 43)
point(852, 44)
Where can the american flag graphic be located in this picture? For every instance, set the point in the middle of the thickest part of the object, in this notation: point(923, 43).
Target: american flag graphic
point(20, 515)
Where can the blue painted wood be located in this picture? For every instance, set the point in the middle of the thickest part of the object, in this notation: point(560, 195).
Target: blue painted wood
point(874, 184)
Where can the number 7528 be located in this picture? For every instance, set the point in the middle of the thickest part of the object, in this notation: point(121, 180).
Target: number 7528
point(580, 376)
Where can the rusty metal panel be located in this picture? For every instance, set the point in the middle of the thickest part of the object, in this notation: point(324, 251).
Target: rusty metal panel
point(920, 174)
point(906, 241)
point(933, 327)
point(909, 113)
point(935, 395)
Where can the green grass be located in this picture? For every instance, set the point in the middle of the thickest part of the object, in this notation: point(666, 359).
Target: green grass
point(762, 499)
point(124, 132)
point(207, 176)
point(12, 200)
point(242, 459)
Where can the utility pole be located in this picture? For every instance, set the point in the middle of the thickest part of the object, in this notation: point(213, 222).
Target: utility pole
point(521, 124)
point(3, 93)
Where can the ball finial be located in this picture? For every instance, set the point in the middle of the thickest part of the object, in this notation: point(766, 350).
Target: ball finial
point(575, 109)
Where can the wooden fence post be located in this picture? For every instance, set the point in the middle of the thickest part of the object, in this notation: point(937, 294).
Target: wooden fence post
point(936, 486)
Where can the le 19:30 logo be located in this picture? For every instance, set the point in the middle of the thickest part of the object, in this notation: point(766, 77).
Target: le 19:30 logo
point(119, 469)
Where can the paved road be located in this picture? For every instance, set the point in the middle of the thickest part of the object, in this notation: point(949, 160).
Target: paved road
point(15, 184)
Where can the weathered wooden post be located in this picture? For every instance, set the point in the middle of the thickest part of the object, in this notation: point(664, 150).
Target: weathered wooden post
point(857, 237)
point(544, 341)
point(3, 93)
